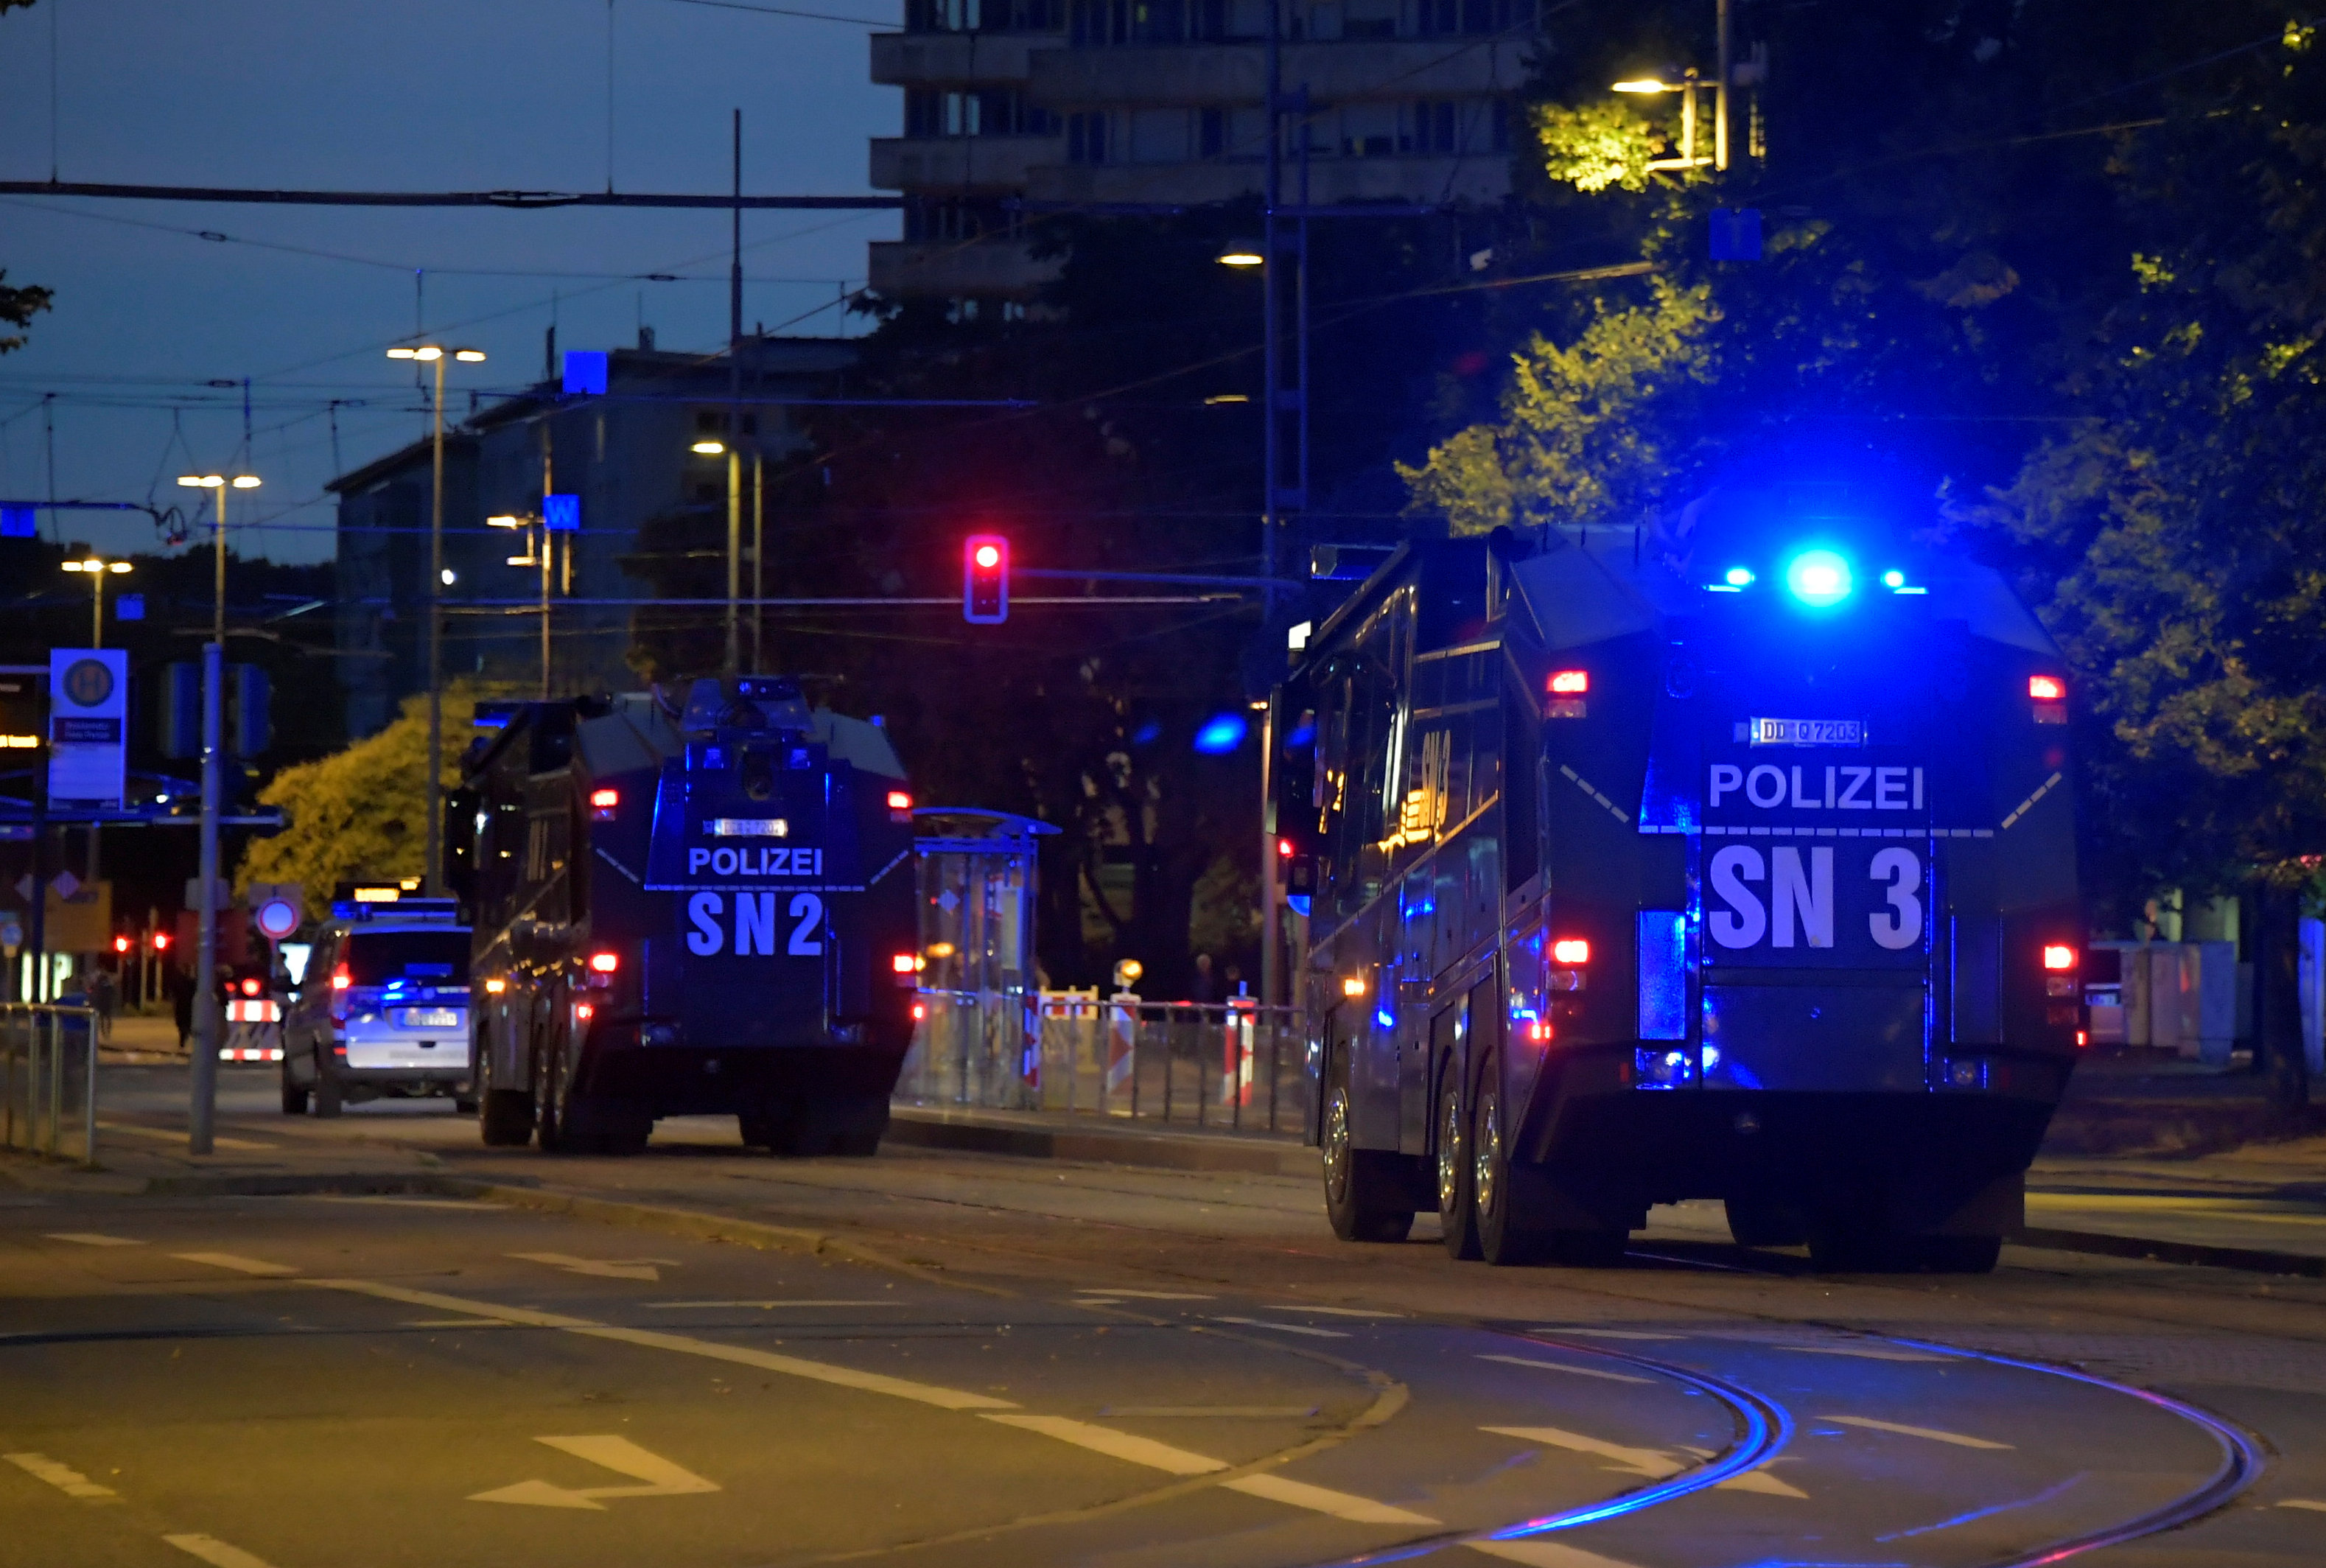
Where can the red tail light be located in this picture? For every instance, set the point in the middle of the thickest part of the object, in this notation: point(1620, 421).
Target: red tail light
point(1570, 682)
point(900, 801)
point(250, 988)
point(604, 804)
point(2058, 955)
point(904, 963)
point(342, 979)
point(2047, 689)
point(1570, 951)
point(1284, 849)
point(605, 963)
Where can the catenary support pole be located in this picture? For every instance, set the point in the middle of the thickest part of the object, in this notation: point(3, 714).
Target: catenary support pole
point(201, 1115)
point(432, 875)
point(1720, 93)
point(735, 417)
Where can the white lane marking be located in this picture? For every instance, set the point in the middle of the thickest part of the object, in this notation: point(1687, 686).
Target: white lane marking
point(1753, 1481)
point(2303, 1503)
point(1556, 1366)
point(92, 1238)
point(1546, 1554)
point(659, 1476)
point(629, 1268)
point(1346, 1505)
point(1285, 1328)
point(1122, 1445)
point(167, 1136)
point(1133, 1449)
point(239, 1265)
point(1329, 1312)
point(1149, 1295)
point(1601, 1333)
point(1222, 1412)
point(1932, 1433)
point(1653, 1463)
point(1863, 1353)
point(62, 1476)
point(803, 1301)
point(390, 1201)
point(767, 1361)
point(456, 1323)
point(218, 1554)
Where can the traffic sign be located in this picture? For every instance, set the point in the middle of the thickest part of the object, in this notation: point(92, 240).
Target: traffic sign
point(89, 715)
point(277, 919)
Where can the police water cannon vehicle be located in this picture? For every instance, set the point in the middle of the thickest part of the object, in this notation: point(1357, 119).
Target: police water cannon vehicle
point(1638, 870)
point(683, 907)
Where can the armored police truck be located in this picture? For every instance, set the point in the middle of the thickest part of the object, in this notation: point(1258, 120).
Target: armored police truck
point(1638, 869)
point(685, 908)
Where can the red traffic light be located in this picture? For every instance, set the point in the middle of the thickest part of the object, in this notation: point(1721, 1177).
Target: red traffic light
point(161, 942)
point(121, 944)
point(985, 579)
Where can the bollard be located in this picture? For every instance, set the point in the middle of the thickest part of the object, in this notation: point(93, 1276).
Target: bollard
point(88, 1101)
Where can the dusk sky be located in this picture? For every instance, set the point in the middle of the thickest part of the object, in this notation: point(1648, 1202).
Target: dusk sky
point(420, 94)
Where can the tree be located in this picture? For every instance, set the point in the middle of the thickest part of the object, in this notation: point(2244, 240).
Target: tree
point(360, 812)
point(19, 303)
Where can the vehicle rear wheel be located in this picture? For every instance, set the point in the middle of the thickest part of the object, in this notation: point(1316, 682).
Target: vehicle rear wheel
point(330, 1098)
point(1457, 1215)
point(1363, 1198)
point(504, 1116)
point(294, 1096)
point(1505, 1237)
point(547, 1094)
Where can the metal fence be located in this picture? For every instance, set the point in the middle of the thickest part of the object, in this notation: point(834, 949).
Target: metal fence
point(48, 1080)
point(1234, 1066)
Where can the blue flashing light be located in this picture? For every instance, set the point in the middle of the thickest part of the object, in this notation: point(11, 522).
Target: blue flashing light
point(1739, 577)
point(1818, 578)
point(1893, 578)
point(1386, 1018)
point(1222, 734)
point(1297, 904)
point(1146, 733)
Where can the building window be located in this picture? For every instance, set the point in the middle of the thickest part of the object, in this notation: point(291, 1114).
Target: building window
point(983, 15)
point(998, 112)
point(1211, 132)
point(1087, 141)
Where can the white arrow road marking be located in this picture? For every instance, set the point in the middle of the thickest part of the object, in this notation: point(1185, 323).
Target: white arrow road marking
point(1956, 1438)
point(1147, 1295)
point(250, 1266)
point(633, 1268)
point(218, 1554)
point(92, 1239)
point(62, 1476)
point(1544, 1553)
point(456, 1323)
point(1863, 1352)
point(1145, 1450)
point(2303, 1503)
point(1753, 1480)
point(658, 1475)
point(1329, 1312)
point(1601, 1333)
point(1220, 1412)
point(1560, 1367)
point(1653, 1463)
point(1285, 1328)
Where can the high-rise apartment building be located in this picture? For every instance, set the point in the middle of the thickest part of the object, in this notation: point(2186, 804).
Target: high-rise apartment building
point(1013, 105)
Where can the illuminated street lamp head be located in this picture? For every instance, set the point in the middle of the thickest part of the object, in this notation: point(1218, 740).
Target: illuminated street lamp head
point(202, 481)
point(505, 521)
point(1646, 84)
point(449, 576)
point(428, 351)
point(116, 567)
point(245, 482)
point(1241, 253)
point(469, 356)
point(708, 448)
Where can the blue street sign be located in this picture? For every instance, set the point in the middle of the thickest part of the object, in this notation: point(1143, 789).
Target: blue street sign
point(585, 371)
point(129, 607)
point(19, 523)
point(562, 514)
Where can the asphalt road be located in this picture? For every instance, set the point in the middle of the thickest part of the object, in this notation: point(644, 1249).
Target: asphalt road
point(1035, 1363)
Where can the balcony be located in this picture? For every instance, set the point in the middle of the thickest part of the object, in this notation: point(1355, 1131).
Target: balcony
point(954, 59)
point(1336, 72)
point(1481, 179)
point(982, 269)
point(959, 163)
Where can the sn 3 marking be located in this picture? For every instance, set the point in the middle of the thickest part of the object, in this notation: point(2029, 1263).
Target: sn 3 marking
point(1800, 897)
point(755, 926)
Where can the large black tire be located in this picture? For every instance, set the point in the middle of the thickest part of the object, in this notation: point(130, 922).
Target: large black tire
point(1457, 1214)
point(330, 1098)
point(1364, 1197)
point(504, 1116)
point(1507, 1237)
point(548, 1102)
point(1758, 1221)
point(294, 1096)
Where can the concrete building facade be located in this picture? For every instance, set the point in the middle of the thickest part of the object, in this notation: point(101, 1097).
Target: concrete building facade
point(1094, 103)
point(628, 453)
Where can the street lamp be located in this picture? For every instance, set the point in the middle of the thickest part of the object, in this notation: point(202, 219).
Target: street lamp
point(201, 1115)
point(538, 555)
point(1689, 86)
point(711, 446)
point(439, 579)
point(1241, 253)
point(98, 569)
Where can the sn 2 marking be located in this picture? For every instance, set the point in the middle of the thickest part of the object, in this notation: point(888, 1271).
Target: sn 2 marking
point(1847, 786)
point(755, 861)
point(755, 925)
point(1801, 903)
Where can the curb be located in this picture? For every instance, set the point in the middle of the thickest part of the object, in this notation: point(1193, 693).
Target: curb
point(1245, 1154)
point(2105, 1244)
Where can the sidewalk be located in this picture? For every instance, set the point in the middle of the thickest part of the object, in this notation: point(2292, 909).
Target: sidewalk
point(2153, 1103)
